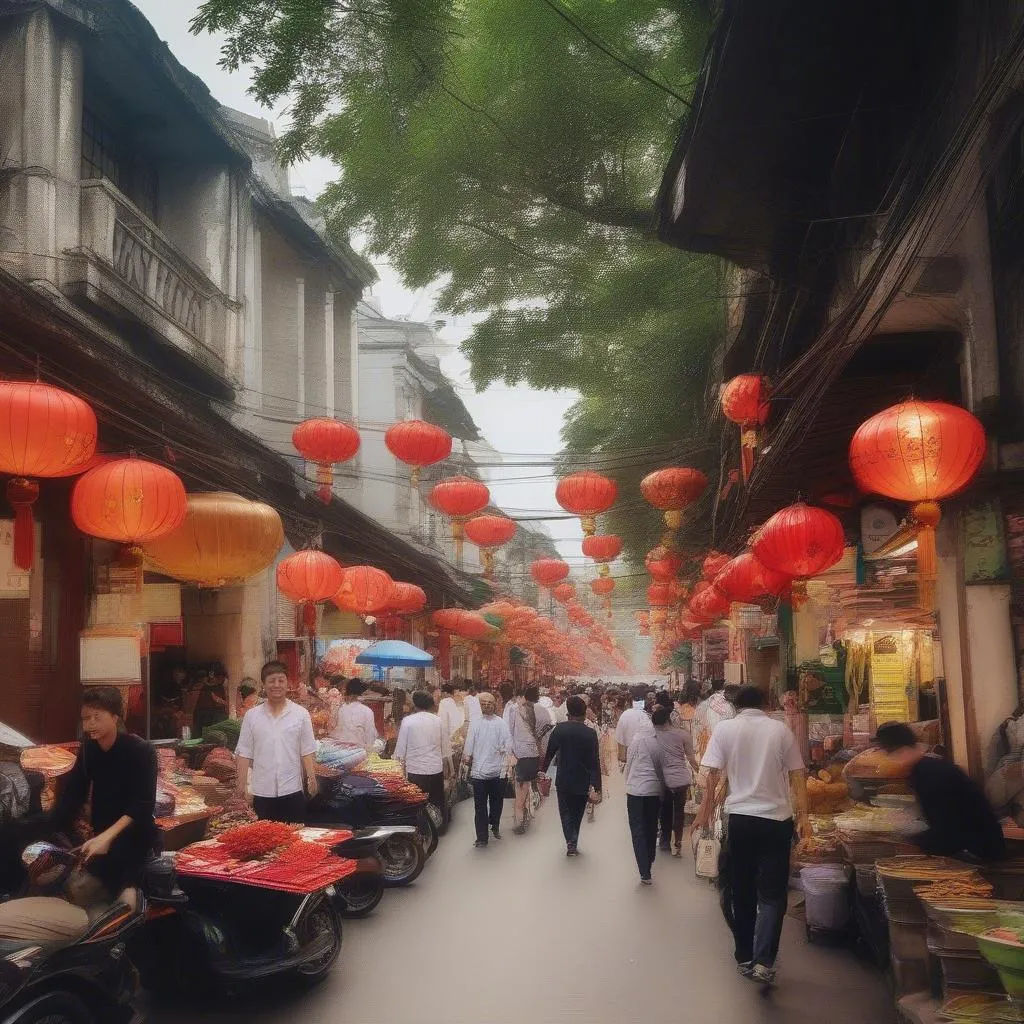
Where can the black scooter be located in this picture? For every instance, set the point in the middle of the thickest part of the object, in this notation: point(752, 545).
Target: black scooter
point(359, 893)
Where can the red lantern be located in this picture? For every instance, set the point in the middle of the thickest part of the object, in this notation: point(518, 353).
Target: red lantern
point(548, 572)
point(468, 625)
point(659, 595)
point(672, 490)
point(564, 593)
point(325, 441)
point(307, 577)
point(586, 495)
point(919, 452)
point(799, 541)
point(714, 562)
point(130, 501)
point(44, 432)
point(709, 605)
point(489, 533)
point(663, 564)
point(407, 599)
point(745, 402)
point(744, 579)
point(418, 444)
point(459, 497)
point(602, 587)
point(602, 549)
point(364, 590)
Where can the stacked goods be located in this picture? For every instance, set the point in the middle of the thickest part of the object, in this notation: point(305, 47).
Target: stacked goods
point(220, 764)
point(868, 834)
point(236, 811)
point(981, 1008)
point(257, 839)
point(825, 796)
point(1003, 948)
point(341, 757)
point(388, 775)
point(223, 734)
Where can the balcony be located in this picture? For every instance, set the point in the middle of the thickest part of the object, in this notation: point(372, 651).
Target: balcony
point(126, 268)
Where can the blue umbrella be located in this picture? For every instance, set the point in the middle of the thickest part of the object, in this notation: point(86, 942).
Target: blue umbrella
point(394, 652)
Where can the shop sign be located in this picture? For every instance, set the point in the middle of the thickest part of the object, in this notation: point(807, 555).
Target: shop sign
point(984, 536)
point(877, 525)
point(14, 582)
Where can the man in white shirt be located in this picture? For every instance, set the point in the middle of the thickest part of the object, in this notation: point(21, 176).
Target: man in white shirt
point(632, 721)
point(451, 708)
point(277, 743)
point(353, 722)
point(471, 704)
point(487, 748)
point(425, 749)
point(559, 712)
point(761, 759)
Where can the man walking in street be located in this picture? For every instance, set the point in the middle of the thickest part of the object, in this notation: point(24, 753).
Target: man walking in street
point(278, 744)
point(354, 720)
point(485, 755)
point(633, 720)
point(579, 769)
point(760, 759)
point(425, 749)
point(526, 746)
point(645, 782)
point(451, 709)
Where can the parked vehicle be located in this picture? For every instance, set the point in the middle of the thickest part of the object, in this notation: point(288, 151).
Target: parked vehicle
point(359, 893)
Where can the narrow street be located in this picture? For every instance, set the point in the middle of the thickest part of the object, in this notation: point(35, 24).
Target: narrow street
point(518, 933)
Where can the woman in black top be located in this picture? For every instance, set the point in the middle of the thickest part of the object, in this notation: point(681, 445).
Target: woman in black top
point(120, 772)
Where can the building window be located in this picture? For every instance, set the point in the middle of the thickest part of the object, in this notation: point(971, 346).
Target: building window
point(105, 154)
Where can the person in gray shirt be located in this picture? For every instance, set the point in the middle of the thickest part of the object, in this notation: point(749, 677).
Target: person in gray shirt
point(676, 747)
point(645, 782)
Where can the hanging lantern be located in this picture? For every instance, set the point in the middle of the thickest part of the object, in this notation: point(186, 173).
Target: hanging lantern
point(466, 624)
point(407, 599)
point(308, 577)
point(586, 495)
point(489, 533)
point(418, 444)
point(364, 590)
point(672, 490)
point(459, 497)
point(548, 572)
point(919, 452)
point(709, 605)
point(44, 432)
point(602, 587)
point(745, 402)
point(659, 595)
point(714, 562)
point(602, 549)
point(745, 579)
point(130, 501)
point(663, 564)
point(799, 541)
point(223, 540)
point(325, 441)
point(564, 593)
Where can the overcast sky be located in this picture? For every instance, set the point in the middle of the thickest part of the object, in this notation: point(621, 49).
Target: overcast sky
point(516, 421)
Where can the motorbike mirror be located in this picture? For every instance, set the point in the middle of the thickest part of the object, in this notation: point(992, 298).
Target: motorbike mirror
point(46, 864)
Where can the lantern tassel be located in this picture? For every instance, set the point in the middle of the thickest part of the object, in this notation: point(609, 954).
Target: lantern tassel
point(309, 617)
point(927, 515)
point(748, 448)
point(22, 494)
point(325, 480)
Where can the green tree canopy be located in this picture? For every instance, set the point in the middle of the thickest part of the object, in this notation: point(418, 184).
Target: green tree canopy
point(509, 151)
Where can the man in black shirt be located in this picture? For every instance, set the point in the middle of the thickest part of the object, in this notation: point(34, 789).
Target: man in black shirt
point(120, 771)
point(579, 769)
point(956, 809)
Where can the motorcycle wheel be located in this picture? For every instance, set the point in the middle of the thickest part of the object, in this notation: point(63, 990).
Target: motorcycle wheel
point(54, 1008)
point(428, 832)
point(403, 859)
point(360, 896)
point(324, 919)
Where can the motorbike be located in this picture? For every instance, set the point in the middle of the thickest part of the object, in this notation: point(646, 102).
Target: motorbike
point(346, 803)
point(82, 977)
point(359, 893)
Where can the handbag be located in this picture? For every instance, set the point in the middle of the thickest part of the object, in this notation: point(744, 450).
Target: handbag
point(705, 856)
point(595, 796)
point(544, 785)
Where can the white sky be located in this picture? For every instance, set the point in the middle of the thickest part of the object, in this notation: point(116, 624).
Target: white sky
point(516, 421)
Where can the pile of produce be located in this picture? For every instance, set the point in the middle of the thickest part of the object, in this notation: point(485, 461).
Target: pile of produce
point(223, 734)
point(220, 765)
point(257, 839)
point(827, 793)
point(235, 812)
point(390, 778)
point(956, 888)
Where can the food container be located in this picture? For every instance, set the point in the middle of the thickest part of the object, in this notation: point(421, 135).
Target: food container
point(1007, 878)
point(908, 976)
point(966, 970)
point(1008, 959)
point(908, 941)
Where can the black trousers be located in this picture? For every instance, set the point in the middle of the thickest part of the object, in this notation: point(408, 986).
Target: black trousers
point(433, 786)
point(759, 851)
point(571, 808)
point(290, 809)
point(489, 802)
point(643, 812)
point(673, 813)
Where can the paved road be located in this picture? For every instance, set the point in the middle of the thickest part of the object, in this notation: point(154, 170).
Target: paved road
point(518, 933)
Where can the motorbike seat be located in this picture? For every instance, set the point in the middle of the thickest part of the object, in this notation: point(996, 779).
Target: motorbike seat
point(44, 920)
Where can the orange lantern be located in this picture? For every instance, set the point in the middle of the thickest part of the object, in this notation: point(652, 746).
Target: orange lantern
point(663, 564)
point(364, 590)
point(919, 452)
point(799, 541)
point(307, 577)
point(564, 593)
point(459, 497)
point(489, 533)
point(745, 402)
point(130, 501)
point(709, 605)
point(407, 599)
point(224, 539)
point(44, 432)
point(418, 444)
point(602, 549)
point(468, 625)
point(325, 441)
point(548, 572)
point(586, 495)
point(672, 490)
point(745, 579)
